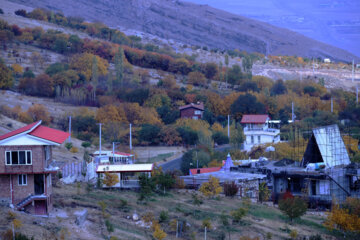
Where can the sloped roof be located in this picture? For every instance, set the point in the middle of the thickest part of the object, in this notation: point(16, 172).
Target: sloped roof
point(228, 163)
point(254, 118)
point(199, 106)
point(194, 171)
point(125, 168)
point(20, 130)
point(36, 130)
point(326, 144)
point(50, 134)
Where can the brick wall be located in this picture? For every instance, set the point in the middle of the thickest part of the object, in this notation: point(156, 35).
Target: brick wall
point(38, 160)
point(5, 189)
point(21, 192)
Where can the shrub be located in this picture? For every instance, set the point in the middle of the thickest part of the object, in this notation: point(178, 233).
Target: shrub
point(206, 223)
point(164, 216)
point(211, 188)
point(230, 189)
point(74, 150)
point(109, 225)
point(68, 145)
point(1, 11)
point(293, 207)
point(238, 214)
point(220, 138)
point(21, 12)
point(85, 144)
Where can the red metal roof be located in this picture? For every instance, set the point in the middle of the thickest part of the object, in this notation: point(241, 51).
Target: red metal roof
point(199, 106)
point(18, 131)
point(194, 171)
point(254, 118)
point(50, 134)
point(46, 133)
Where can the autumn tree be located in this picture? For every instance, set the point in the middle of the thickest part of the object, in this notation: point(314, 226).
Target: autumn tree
point(211, 188)
point(230, 189)
point(6, 78)
point(83, 63)
point(111, 179)
point(38, 112)
point(158, 233)
point(37, 60)
point(293, 207)
point(196, 78)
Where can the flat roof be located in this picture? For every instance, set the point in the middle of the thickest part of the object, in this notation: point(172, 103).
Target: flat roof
point(224, 176)
point(125, 168)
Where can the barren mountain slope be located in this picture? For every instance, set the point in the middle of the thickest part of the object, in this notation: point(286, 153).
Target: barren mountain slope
point(194, 24)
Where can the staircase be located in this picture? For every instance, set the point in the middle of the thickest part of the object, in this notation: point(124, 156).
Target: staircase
point(28, 200)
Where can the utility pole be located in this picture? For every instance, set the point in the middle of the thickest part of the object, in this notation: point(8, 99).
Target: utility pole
point(205, 233)
point(100, 139)
point(293, 116)
point(332, 105)
point(69, 140)
point(352, 78)
point(130, 141)
point(229, 127)
point(357, 94)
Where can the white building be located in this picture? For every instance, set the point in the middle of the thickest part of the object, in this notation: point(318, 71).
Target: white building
point(257, 131)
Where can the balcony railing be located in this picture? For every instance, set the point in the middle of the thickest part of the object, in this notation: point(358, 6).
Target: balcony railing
point(270, 130)
point(129, 184)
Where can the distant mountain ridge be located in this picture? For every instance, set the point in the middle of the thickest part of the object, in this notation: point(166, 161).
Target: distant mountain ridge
point(195, 24)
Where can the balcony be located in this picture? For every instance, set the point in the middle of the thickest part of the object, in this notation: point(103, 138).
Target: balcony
point(261, 131)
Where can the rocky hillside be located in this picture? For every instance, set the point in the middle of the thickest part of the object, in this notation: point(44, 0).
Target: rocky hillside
point(194, 24)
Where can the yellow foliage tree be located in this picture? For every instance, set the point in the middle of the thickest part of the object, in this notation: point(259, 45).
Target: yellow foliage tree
point(110, 113)
point(211, 188)
point(83, 63)
point(158, 233)
point(17, 68)
point(39, 112)
point(343, 220)
point(110, 179)
point(216, 127)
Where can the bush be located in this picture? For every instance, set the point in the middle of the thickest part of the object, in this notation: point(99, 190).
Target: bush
point(206, 223)
point(164, 216)
point(109, 225)
point(74, 150)
point(21, 12)
point(293, 207)
point(68, 145)
point(1, 11)
point(220, 138)
point(230, 189)
point(238, 214)
point(86, 144)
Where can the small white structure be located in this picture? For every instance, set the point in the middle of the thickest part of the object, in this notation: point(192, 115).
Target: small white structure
point(327, 60)
point(257, 131)
point(127, 173)
point(114, 157)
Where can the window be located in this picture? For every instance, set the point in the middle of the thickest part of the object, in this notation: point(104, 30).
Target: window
point(47, 153)
point(197, 112)
point(18, 157)
point(252, 139)
point(22, 179)
point(259, 139)
point(195, 117)
point(324, 187)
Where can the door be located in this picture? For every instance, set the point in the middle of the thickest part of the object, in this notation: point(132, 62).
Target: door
point(40, 207)
point(39, 184)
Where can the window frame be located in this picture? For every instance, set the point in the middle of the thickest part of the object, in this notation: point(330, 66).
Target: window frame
point(22, 177)
point(10, 163)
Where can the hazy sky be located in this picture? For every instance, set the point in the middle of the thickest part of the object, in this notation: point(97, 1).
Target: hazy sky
point(336, 22)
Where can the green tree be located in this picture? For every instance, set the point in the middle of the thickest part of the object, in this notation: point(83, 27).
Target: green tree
point(238, 214)
point(147, 186)
point(6, 77)
point(119, 67)
point(293, 207)
point(264, 192)
point(246, 104)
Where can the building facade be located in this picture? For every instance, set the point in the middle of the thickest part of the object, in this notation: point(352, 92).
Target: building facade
point(257, 131)
point(193, 111)
point(25, 171)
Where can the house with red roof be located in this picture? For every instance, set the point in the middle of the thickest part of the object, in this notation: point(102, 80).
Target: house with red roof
point(192, 110)
point(257, 130)
point(25, 170)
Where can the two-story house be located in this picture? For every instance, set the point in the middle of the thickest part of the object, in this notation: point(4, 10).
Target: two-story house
point(192, 110)
point(257, 131)
point(25, 172)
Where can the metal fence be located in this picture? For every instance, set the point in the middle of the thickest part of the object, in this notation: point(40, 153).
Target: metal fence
point(72, 169)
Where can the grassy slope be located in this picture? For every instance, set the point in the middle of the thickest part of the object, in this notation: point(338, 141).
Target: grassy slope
point(260, 220)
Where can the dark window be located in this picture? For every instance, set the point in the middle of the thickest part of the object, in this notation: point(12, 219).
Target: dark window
point(313, 187)
point(8, 158)
point(14, 158)
point(22, 157)
point(28, 159)
point(22, 178)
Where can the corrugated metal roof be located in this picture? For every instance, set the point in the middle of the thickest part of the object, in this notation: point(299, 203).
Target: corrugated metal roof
point(255, 118)
point(125, 168)
point(331, 146)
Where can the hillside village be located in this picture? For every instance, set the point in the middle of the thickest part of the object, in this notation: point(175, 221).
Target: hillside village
point(105, 135)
